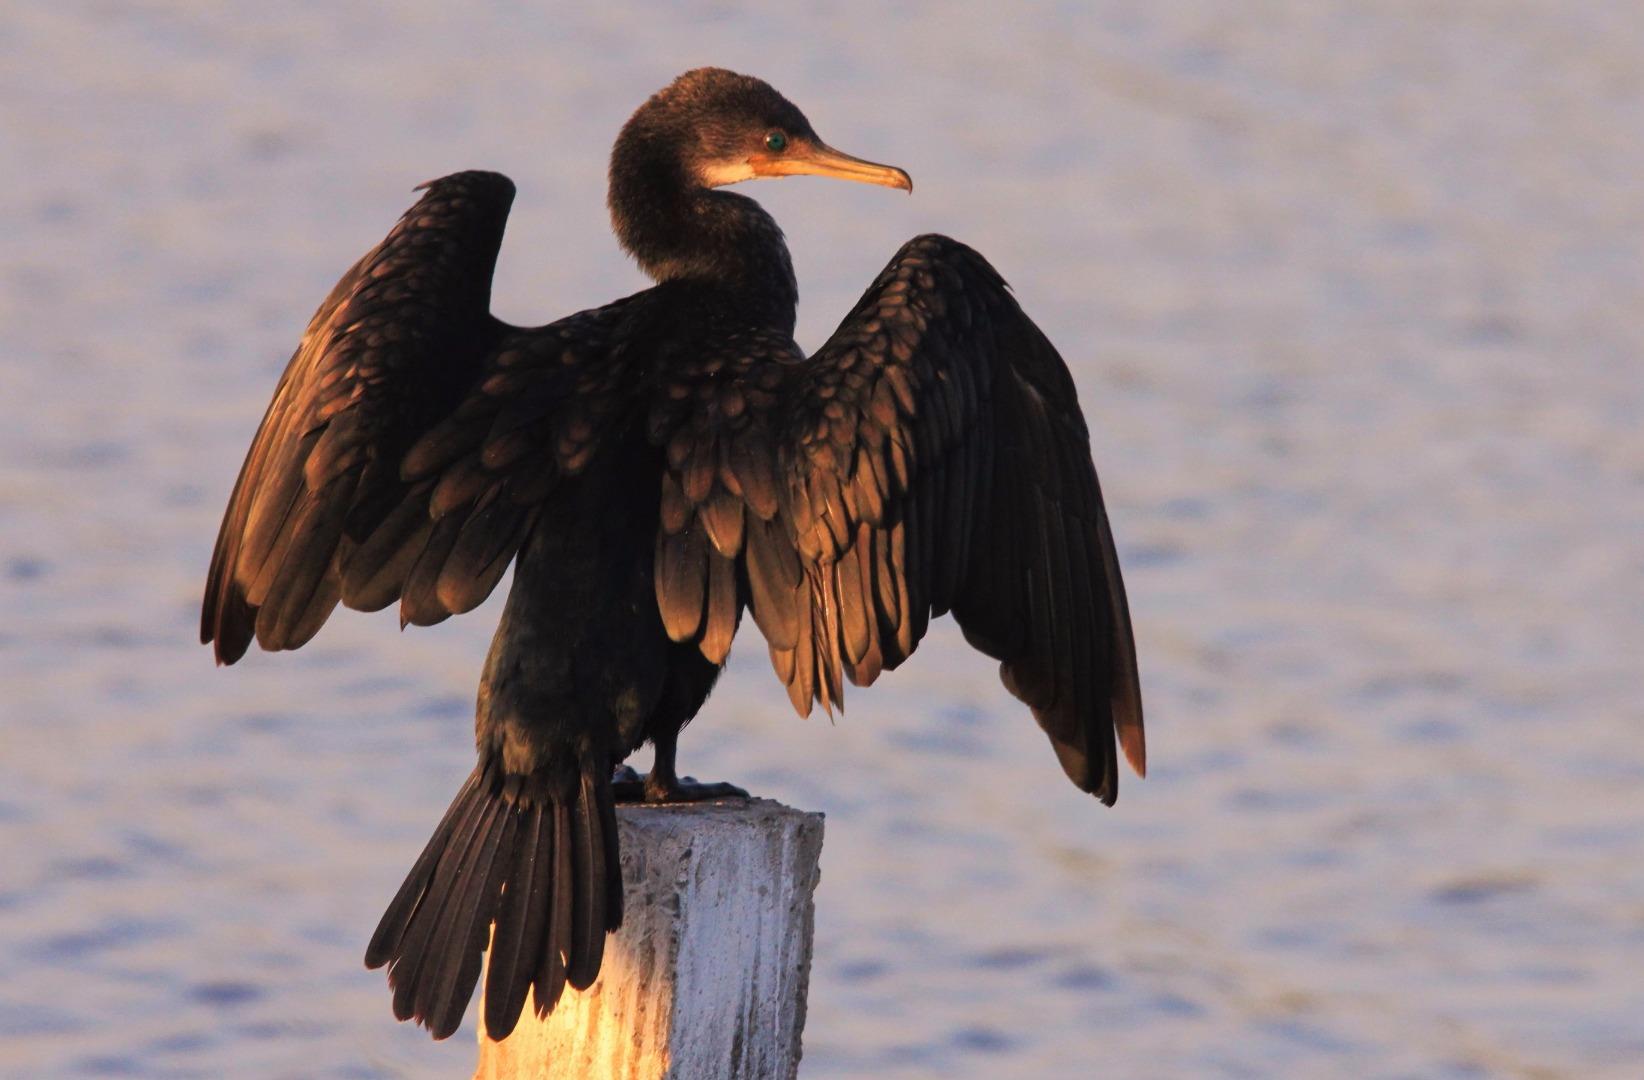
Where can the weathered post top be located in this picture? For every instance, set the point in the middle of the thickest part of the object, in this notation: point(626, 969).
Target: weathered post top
point(708, 975)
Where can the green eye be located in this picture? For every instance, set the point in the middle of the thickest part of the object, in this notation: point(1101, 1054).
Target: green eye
point(776, 142)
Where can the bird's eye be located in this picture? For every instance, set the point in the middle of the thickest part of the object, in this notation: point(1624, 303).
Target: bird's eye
point(776, 142)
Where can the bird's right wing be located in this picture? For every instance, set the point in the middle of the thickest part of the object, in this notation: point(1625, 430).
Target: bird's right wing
point(390, 351)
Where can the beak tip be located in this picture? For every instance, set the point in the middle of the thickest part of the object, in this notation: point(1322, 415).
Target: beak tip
point(823, 160)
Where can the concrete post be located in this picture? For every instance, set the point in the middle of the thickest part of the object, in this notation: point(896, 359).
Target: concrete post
point(706, 980)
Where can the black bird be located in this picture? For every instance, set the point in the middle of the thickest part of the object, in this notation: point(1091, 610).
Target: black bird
point(652, 468)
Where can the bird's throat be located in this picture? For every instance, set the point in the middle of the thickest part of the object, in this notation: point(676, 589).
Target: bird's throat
point(677, 229)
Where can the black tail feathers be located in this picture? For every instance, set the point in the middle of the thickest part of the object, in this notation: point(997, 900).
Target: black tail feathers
point(538, 856)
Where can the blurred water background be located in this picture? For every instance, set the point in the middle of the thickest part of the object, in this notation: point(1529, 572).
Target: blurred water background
point(1354, 294)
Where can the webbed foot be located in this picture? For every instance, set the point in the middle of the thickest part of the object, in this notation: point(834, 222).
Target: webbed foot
point(629, 787)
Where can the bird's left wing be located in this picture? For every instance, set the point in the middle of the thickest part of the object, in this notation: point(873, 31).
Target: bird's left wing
point(931, 457)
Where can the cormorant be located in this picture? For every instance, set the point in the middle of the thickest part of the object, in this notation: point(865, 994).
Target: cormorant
point(652, 468)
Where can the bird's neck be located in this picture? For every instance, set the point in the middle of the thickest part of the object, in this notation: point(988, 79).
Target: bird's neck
point(678, 230)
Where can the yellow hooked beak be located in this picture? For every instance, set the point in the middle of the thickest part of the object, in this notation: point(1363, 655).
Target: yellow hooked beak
point(817, 158)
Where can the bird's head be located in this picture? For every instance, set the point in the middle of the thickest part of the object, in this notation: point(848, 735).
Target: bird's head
point(721, 128)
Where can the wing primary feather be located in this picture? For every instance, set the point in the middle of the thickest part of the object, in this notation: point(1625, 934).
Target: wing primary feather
point(922, 574)
point(1060, 621)
point(259, 567)
point(321, 603)
point(306, 573)
point(1090, 675)
point(1127, 695)
point(267, 520)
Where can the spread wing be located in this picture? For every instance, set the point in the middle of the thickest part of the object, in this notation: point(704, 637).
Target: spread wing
point(391, 351)
point(931, 457)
